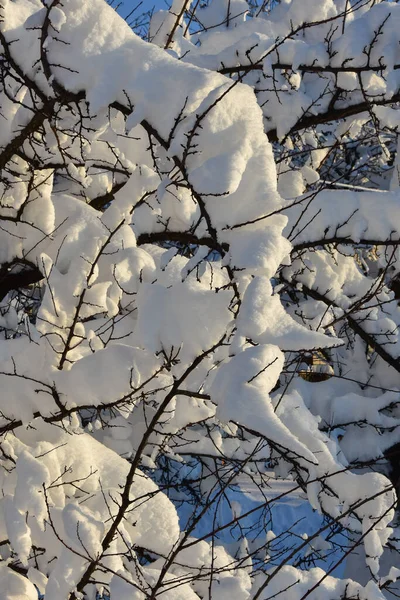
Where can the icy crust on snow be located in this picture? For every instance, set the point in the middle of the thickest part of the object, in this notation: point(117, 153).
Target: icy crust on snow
point(46, 489)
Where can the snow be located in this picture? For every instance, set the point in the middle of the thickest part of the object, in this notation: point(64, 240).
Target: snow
point(16, 587)
point(37, 578)
point(84, 532)
point(81, 458)
point(227, 581)
point(199, 336)
point(259, 250)
point(182, 318)
point(130, 369)
point(264, 319)
point(18, 531)
point(57, 18)
point(219, 13)
point(241, 388)
point(352, 215)
point(292, 584)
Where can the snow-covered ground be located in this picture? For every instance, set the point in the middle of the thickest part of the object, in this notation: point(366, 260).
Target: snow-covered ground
point(271, 509)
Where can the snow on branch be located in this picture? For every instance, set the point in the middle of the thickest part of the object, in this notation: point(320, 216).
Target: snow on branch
point(193, 330)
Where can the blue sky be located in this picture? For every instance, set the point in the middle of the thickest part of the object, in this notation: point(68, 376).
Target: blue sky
point(128, 5)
